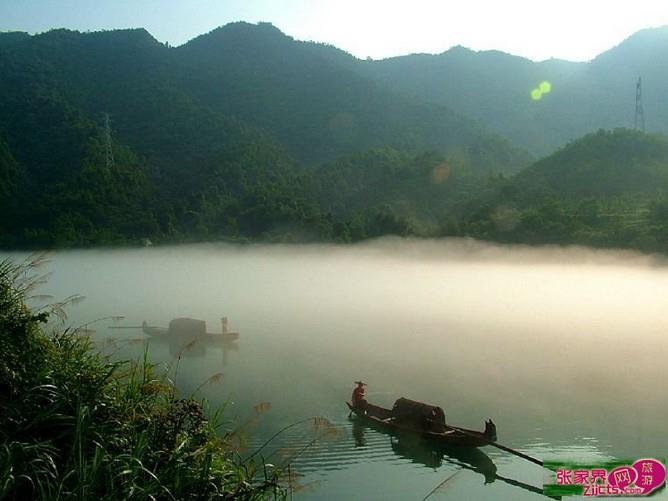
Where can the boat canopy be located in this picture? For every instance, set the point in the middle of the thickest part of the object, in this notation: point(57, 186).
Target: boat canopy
point(187, 327)
point(418, 414)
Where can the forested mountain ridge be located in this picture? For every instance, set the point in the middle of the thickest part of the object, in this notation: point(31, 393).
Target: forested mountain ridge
point(601, 164)
point(171, 159)
point(245, 133)
point(318, 107)
point(11, 37)
point(496, 89)
point(254, 74)
point(607, 189)
point(192, 161)
point(54, 184)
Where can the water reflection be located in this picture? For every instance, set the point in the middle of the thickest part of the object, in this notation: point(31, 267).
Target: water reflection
point(426, 453)
point(188, 337)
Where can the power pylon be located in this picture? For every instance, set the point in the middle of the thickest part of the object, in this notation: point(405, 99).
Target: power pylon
point(639, 122)
point(107, 142)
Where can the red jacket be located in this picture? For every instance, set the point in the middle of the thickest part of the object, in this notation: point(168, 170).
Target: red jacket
point(358, 395)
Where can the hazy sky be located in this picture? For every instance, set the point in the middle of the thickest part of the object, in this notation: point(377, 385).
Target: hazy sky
point(538, 29)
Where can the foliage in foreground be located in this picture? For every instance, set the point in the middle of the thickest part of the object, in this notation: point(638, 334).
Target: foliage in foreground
point(74, 426)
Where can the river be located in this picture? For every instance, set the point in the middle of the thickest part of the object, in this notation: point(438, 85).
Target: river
point(565, 349)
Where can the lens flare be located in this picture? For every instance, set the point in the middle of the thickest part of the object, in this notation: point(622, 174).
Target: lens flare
point(543, 88)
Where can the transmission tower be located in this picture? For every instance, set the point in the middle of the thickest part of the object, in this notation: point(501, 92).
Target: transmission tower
point(107, 142)
point(640, 112)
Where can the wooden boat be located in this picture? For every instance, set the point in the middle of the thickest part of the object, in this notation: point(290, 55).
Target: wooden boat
point(434, 430)
point(424, 448)
point(189, 328)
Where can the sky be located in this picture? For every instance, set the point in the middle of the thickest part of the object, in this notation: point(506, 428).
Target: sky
point(575, 30)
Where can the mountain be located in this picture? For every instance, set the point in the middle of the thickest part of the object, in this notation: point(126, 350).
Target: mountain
point(245, 133)
point(496, 89)
point(389, 191)
point(9, 172)
point(180, 170)
point(602, 164)
point(318, 107)
point(253, 76)
point(8, 38)
point(214, 139)
point(54, 184)
point(606, 189)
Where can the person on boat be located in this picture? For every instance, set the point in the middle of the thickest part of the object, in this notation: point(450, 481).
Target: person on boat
point(358, 399)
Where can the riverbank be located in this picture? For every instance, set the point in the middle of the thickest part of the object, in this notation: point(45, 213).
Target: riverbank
point(75, 425)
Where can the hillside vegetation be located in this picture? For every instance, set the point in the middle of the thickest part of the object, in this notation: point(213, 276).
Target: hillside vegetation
point(495, 89)
point(607, 189)
point(246, 134)
point(220, 138)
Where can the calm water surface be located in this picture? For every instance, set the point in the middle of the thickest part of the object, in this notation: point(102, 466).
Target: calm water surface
point(564, 348)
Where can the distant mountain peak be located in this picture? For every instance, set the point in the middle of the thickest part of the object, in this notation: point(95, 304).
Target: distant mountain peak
point(459, 49)
point(244, 25)
point(658, 33)
point(136, 37)
point(640, 44)
point(240, 30)
point(12, 37)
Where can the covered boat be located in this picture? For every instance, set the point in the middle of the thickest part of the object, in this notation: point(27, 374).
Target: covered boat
point(190, 328)
point(424, 420)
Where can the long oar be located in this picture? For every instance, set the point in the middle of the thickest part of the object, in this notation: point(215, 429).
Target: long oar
point(440, 485)
point(522, 485)
point(507, 480)
point(498, 446)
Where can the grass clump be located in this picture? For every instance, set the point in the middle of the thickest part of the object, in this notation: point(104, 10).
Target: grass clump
point(75, 426)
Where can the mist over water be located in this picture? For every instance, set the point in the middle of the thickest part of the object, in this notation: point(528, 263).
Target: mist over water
point(564, 348)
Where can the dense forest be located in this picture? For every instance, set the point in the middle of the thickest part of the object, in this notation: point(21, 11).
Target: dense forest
point(607, 189)
point(246, 134)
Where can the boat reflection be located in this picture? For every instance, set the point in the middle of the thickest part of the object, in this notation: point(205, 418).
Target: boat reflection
point(188, 337)
point(421, 451)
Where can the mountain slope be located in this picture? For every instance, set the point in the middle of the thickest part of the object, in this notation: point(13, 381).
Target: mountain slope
point(180, 170)
point(606, 189)
point(253, 74)
point(8, 38)
point(317, 106)
point(495, 89)
point(602, 164)
point(218, 139)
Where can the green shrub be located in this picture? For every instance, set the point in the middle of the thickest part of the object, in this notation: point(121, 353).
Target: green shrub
point(76, 426)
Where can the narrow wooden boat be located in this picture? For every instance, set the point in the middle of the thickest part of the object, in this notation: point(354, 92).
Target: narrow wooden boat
point(434, 430)
point(189, 328)
point(432, 452)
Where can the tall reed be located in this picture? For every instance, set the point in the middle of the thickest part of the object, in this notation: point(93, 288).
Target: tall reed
point(74, 425)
